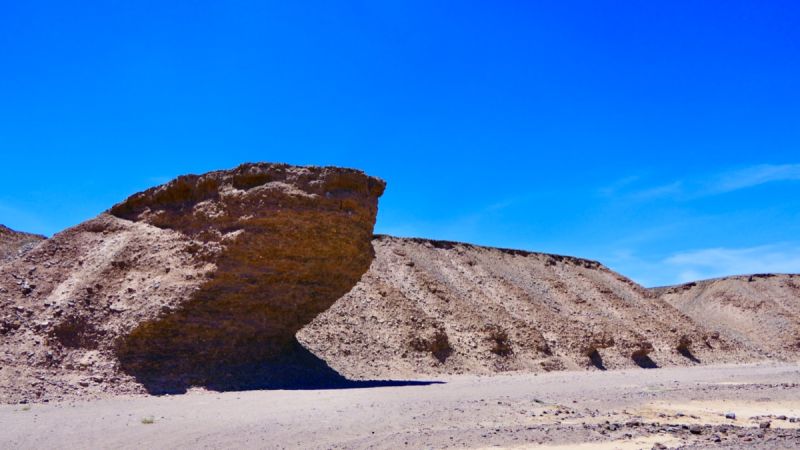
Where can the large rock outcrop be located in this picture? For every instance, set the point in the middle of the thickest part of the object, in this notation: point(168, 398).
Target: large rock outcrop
point(189, 283)
point(759, 312)
point(15, 243)
point(432, 307)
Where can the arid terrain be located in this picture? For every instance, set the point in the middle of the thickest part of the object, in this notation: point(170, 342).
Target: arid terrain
point(433, 307)
point(675, 407)
point(194, 283)
point(15, 243)
point(262, 297)
point(759, 311)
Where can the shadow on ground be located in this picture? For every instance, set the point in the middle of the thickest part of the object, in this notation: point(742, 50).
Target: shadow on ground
point(597, 360)
point(686, 353)
point(297, 369)
point(644, 362)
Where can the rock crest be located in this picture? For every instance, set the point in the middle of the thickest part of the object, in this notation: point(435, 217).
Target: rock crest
point(187, 283)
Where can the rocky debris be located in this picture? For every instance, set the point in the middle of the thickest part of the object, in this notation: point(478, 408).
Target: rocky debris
point(592, 346)
point(189, 283)
point(501, 310)
point(756, 312)
point(640, 355)
point(498, 337)
point(436, 343)
point(596, 342)
point(16, 243)
point(684, 347)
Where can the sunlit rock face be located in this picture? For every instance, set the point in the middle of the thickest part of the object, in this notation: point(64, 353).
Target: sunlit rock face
point(286, 243)
point(202, 281)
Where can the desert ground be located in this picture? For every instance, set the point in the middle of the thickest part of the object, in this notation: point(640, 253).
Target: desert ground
point(676, 407)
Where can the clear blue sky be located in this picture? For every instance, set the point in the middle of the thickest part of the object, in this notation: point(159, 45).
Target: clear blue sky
point(661, 138)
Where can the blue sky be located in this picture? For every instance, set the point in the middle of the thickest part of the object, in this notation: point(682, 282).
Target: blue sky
point(661, 138)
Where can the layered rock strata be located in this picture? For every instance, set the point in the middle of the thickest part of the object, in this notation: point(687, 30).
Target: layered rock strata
point(432, 307)
point(187, 283)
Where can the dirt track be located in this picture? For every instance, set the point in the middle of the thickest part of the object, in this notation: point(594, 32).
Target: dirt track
point(615, 409)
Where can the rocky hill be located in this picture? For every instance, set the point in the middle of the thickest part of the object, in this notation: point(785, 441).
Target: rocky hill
point(431, 307)
point(759, 312)
point(14, 243)
point(193, 283)
point(216, 280)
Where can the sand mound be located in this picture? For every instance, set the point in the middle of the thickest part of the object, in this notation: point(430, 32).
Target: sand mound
point(758, 312)
point(431, 307)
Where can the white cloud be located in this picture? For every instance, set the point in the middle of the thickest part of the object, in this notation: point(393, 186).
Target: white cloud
point(702, 264)
point(666, 190)
point(718, 262)
point(754, 176)
point(712, 184)
point(618, 185)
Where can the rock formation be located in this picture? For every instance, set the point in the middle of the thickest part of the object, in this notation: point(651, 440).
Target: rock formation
point(186, 283)
point(759, 312)
point(432, 307)
point(14, 243)
point(206, 281)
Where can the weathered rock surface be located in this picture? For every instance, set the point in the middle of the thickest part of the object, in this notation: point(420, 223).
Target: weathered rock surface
point(206, 281)
point(431, 307)
point(184, 284)
point(14, 243)
point(759, 312)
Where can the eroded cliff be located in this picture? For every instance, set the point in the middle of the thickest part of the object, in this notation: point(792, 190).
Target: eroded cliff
point(189, 283)
point(432, 307)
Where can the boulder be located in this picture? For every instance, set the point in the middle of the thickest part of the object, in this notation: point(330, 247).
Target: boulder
point(195, 281)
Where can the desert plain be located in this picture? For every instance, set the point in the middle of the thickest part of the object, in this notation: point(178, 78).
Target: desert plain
point(625, 409)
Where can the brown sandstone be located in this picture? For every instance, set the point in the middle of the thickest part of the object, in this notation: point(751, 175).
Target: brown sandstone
point(189, 283)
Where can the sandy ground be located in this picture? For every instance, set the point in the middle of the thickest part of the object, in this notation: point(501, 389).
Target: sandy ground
point(578, 410)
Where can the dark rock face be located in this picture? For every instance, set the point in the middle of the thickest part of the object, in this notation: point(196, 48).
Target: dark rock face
point(287, 243)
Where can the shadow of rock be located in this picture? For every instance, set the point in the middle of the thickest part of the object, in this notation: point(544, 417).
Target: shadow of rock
point(597, 360)
point(296, 369)
point(644, 361)
point(686, 353)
